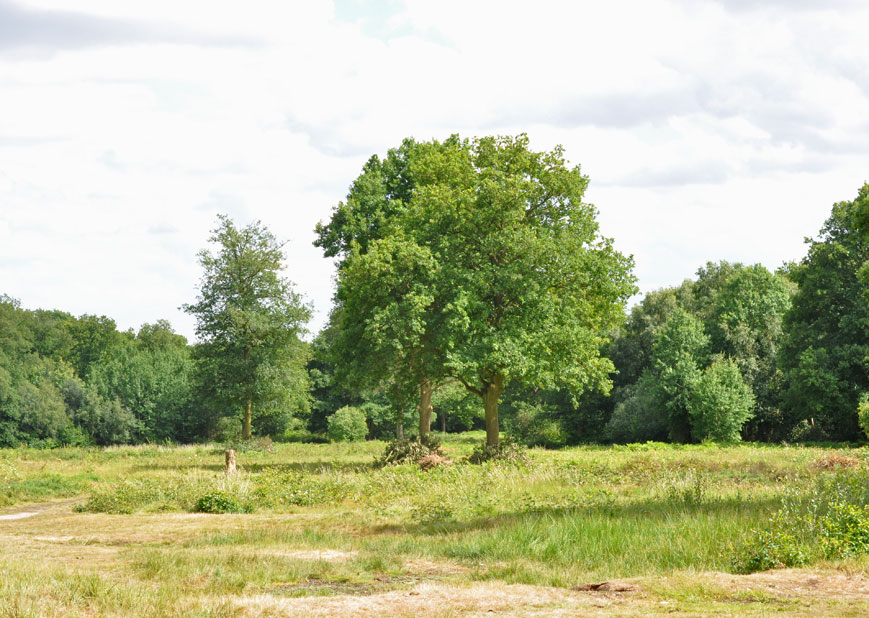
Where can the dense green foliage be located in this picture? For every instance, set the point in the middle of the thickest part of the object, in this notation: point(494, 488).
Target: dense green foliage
point(825, 354)
point(347, 425)
point(119, 388)
point(464, 267)
point(249, 320)
point(490, 271)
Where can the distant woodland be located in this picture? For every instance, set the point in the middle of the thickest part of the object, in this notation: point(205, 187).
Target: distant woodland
point(473, 291)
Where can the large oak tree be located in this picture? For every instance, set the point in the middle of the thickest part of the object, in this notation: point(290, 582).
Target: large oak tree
point(522, 286)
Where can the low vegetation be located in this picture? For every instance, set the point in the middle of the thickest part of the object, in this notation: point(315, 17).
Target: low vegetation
point(149, 524)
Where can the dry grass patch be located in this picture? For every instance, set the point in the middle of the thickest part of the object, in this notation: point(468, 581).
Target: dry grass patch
point(835, 461)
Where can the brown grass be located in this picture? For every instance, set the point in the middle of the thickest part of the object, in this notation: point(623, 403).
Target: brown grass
point(833, 461)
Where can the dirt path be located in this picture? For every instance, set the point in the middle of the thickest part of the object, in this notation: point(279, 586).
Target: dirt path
point(36, 509)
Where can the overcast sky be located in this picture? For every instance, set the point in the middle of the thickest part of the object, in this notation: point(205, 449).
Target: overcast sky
point(709, 129)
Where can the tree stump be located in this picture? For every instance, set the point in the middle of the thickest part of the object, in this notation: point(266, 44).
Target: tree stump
point(230, 461)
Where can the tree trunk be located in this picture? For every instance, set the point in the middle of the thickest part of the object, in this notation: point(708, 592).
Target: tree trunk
point(425, 394)
point(399, 430)
point(230, 462)
point(245, 424)
point(490, 404)
point(443, 416)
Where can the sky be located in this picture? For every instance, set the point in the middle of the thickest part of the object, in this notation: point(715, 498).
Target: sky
point(709, 129)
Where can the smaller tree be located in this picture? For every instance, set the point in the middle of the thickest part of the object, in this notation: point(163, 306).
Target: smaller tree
point(678, 354)
point(248, 320)
point(347, 425)
point(720, 403)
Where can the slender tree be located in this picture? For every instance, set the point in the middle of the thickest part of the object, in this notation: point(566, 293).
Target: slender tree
point(248, 321)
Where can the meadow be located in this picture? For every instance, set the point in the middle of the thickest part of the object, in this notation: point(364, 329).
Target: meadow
point(320, 529)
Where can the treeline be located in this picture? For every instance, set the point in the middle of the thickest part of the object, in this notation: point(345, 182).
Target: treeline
point(68, 380)
point(470, 276)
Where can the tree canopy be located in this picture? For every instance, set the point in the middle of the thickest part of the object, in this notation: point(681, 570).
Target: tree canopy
point(517, 283)
point(827, 345)
point(248, 320)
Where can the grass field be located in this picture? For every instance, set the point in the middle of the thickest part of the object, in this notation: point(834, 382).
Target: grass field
point(320, 530)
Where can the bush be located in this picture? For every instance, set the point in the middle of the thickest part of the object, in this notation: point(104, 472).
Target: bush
point(303, 436)
point(720, 403)
point(73, 436)
point(347, 425)
point(773, 548)
point(533, 427)
point(845, 529)
point(107, 421)
point(227, 429)
point(807, 431)
point(381, 419)
point(218, 502)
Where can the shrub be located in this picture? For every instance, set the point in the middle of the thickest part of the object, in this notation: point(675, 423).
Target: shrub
point(831, 521)
point(218, 502)
point(532, 427)
point(845, 530)
point(381, 419)
point(227, 429)
point(720, 403)
point(807, 431)
point(73, 436)
point(772, 548)
point(303, 436)
point(107, 421)
point(347, 425)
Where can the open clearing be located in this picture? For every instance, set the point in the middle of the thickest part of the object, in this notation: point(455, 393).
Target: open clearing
point(581, 532)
